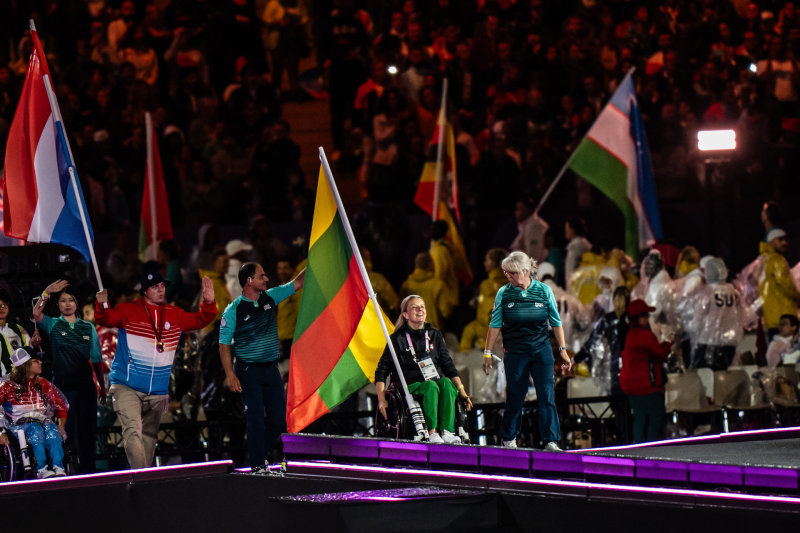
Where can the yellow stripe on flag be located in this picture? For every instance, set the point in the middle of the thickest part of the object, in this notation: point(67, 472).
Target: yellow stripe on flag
point(368, 342)
point(324, 209)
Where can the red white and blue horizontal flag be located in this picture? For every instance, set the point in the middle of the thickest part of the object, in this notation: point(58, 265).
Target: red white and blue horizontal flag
point(41, 201)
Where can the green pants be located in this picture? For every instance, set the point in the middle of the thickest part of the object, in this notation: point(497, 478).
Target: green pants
point(438, 403)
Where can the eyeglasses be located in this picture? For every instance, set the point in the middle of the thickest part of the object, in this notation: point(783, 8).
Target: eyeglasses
point(3, 306)
point(510, 272)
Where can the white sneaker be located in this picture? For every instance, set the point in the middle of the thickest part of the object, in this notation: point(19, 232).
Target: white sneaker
point(44, 473)
point(450, 438)
point(435, 438)
point(59, 471)
point(510, 443)
point(552, 447)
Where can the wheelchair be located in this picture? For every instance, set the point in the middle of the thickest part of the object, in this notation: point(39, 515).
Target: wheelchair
point(12, 465)
point(398, 423)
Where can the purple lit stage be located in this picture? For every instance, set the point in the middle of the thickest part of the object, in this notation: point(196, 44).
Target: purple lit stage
point(361, 484)
point(728, 469)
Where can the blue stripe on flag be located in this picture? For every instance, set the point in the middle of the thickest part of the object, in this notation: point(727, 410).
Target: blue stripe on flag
point(644, 175)
point(69, 227)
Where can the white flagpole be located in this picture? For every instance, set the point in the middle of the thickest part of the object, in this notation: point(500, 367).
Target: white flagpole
point(440, 149)
point(73, 180)
point(150, 250)
point(421, 430)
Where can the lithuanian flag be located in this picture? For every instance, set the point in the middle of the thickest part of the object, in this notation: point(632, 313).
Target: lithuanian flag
point(338, 339)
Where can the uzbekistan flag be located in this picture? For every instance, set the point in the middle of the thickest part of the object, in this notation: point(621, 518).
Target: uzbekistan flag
point(614, 157)
point(156, 225)
point(338, 339)
point(41, 203)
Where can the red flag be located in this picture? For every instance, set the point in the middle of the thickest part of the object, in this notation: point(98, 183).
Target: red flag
point(156, 225)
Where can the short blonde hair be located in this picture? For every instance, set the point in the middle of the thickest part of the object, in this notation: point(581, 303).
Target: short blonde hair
point(520, 262)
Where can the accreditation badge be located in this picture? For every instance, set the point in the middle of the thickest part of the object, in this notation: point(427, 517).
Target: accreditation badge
point(428, 369)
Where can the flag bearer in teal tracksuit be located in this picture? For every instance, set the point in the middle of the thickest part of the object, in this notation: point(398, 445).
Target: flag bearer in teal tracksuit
point(249, 330)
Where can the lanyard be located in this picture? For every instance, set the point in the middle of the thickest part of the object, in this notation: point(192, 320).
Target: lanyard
point(411, 345)
point(158, 332)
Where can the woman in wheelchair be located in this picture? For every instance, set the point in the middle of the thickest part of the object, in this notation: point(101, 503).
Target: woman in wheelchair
point(29, 402)
point(428, 369)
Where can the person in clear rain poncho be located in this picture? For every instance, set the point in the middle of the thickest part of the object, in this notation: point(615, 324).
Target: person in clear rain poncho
point(718, 320)
point(653, 287)
point(604, 347)
point(576, 319)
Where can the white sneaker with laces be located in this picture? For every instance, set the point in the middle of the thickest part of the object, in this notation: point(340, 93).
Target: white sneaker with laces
point(435, 438)
point(552, 447)
point(44, 473)
point(510, 443)
point(450, 438)
point(58, 471)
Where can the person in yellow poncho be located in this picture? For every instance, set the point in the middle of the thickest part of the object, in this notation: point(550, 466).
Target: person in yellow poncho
point(431, 289)
point(217, 276)
point(474, 333)
point(443, 263)
point(290, 307)
point(775, 285)
point(387, 297)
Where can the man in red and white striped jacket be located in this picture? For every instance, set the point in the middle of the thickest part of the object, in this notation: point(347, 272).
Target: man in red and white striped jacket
point(149, 331)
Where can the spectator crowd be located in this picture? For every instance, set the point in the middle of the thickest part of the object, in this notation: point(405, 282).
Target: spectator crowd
point(525, 79)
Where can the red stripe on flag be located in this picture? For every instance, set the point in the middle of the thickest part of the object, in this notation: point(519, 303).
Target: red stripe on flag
point(162, 216)
point(327, 337)
point(19, 189)
point(305, 413)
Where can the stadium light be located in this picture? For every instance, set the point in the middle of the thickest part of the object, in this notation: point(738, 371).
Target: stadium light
point(716, 140)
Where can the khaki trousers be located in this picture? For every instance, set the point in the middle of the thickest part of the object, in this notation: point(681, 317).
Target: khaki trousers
point(140, 415)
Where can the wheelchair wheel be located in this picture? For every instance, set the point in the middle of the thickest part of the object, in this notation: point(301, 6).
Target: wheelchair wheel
point(462, 421)
point(10, 461)
point(70, 458)
point(396, 425)
point(7, 463)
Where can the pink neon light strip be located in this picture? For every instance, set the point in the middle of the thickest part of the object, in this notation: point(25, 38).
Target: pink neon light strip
point(544, 483)
point(691, 440)
point(119, 473)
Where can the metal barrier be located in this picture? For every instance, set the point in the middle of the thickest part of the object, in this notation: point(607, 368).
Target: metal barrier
point(209, 440)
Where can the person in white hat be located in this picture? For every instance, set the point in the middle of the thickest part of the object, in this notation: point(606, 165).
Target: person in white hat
point(775, 285)
point(238, 252)
point(30, 401)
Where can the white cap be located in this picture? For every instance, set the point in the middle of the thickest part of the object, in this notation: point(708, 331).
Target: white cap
point(20, 357)
point(546, 269)
point(775, 233)
point(235, 246)
point(612, 274)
